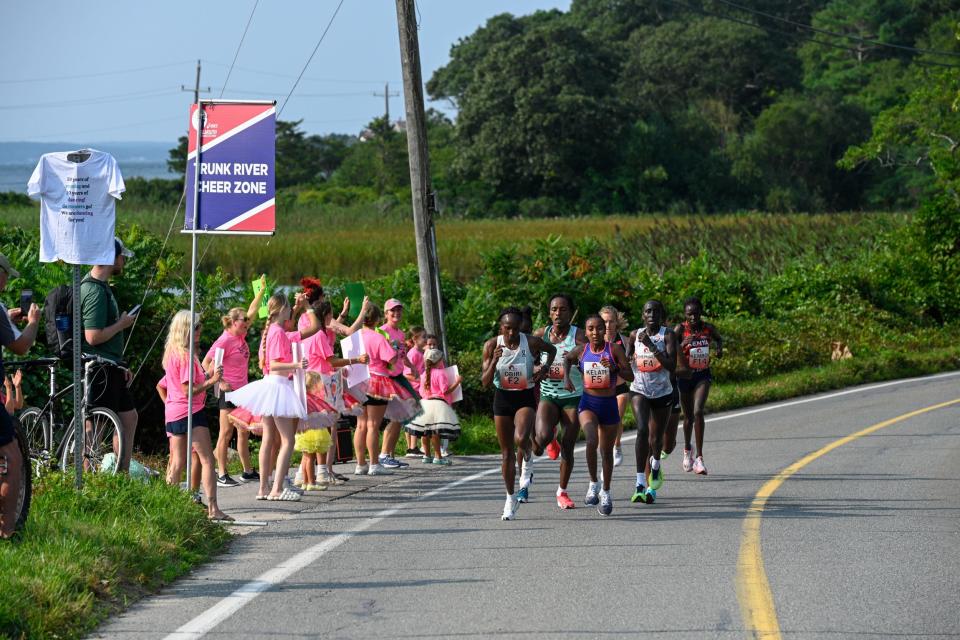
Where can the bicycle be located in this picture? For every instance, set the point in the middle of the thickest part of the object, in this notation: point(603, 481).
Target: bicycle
point(41, 426)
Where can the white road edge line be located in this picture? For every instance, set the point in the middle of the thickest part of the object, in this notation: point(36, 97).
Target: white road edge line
point(205, 622)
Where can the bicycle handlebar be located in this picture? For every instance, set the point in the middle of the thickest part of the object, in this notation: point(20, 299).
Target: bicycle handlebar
point(38, 362)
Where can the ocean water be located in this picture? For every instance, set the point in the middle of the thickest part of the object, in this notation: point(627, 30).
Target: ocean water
point(14, 177)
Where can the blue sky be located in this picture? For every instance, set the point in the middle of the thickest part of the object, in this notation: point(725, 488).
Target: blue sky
point(112, 70)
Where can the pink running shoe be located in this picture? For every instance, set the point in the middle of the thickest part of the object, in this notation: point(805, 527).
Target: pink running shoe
point(698, 467)
point(553, 449)
point(564, 501)
point(688, 460)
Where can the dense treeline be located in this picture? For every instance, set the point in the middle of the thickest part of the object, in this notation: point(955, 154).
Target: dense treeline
point(653, 105)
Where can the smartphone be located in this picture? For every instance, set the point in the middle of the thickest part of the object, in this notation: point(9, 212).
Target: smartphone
point(135, 310)
point(26, 299)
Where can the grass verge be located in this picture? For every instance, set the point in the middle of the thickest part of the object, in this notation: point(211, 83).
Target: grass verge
point(86, 554)
point(479, 437)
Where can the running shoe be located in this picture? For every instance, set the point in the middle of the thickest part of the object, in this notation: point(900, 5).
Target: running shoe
point(250, 477)
point(414, 452)
point(553, 449)
point(655, 479)
point(564, 501)
point(197, 499)
point(361, 470)
point(639, 495)
point(650, 496)
point(664, 455)
point(427, 459)
point(226, 481)
point(593, 497)
point(378, 470)
point(390, 462)
point(688, 460)
point(443, 461)
point(523, 494)
point(605, 507)
point(698, 467)
point(510, 508)
point(617, 456)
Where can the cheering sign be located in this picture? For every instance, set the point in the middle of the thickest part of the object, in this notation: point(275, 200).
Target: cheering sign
point(235, 194)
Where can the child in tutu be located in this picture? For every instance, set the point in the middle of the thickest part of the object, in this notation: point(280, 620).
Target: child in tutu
point(314, 438)
point(438, 419)
point(274, 399)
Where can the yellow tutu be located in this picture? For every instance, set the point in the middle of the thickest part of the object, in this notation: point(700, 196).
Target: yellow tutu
point(312, 441)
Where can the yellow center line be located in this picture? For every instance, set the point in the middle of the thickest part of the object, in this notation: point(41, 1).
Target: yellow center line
point(753, 589)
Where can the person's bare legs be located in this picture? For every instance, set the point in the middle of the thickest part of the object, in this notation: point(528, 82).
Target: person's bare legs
point(8, 492)
point(201, 440)
point(223, 442)
point(270, 435)
point(286, 427)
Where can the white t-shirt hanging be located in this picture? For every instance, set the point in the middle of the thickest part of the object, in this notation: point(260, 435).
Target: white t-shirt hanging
point(77, 207)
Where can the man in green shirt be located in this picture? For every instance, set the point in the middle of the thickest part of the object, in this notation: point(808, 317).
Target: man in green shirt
point(103, 327)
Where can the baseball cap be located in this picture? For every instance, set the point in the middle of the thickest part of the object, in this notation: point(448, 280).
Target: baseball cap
point(391, 303)
point(433, 355)
point(121, 249)
point(5, 265)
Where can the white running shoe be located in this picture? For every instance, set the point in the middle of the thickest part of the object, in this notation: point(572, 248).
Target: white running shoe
point(688, 460)
point(617, 456)
point(510, 508)
point(361, 470)
point(698, 466)
point(378, 470)
point(605, 507)
point(593, 494)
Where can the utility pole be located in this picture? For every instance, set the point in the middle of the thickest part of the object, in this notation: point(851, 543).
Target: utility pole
point(196, 87)
point(420, 187)
point(386, 100)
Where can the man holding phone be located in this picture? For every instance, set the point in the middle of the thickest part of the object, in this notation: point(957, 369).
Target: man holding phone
point(19, 343)
point(103, 327)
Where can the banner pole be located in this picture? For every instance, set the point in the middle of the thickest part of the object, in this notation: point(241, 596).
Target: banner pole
point(193, 291)
point(79, 409)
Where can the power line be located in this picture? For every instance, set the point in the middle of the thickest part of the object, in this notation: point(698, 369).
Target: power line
point(235, 55)
point(290, 75)
point(322, 36)
point(798, 36)
point(840, 35)
point(96, 75)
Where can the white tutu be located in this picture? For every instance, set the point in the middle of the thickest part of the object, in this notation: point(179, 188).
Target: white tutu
point(271, 396)
point(437, 417)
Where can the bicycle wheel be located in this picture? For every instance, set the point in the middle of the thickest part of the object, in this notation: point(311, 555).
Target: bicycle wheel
point(26, 480)
point(102, 428)
point(35, 427)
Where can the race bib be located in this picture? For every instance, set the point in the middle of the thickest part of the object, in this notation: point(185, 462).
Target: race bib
point(513, 377)
point(699, 357)
point(595, 376)
point(556, 370)
point(646, 361)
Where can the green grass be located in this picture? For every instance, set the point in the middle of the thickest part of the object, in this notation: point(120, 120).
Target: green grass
point(86, 554)
point(479, 436)
point(360, 242)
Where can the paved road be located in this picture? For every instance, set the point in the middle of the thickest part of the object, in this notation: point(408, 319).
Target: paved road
point(862, 542)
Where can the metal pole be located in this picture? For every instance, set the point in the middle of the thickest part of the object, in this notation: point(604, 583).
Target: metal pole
point(427, 263)
point(193, 288)
point(78, 408)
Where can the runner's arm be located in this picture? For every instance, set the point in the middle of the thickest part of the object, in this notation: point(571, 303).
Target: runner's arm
point(624, 370)
point(491, 354)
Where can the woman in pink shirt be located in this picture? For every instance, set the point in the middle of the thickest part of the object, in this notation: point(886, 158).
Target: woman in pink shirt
point(274, 398)
point(381, 389)
point(176, 382)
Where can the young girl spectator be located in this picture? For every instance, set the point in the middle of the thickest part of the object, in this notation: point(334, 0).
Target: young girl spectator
point(416, 341)
point(313, 437)
point(176, 384)
point(438, 419)
point(274, 398)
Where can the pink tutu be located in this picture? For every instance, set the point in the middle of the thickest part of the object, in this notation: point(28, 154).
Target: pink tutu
point(384, 388)
point(243, 419)
point(351, 405)
point(320, 414)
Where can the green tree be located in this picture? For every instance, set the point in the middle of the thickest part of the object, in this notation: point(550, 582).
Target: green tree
point(539, 113)
point(791, 154)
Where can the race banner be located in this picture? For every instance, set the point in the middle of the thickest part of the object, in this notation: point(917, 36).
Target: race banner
point(237, 161)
